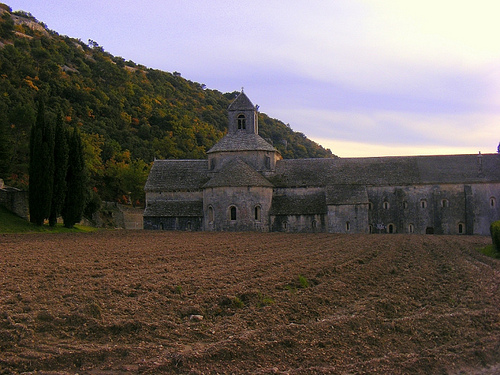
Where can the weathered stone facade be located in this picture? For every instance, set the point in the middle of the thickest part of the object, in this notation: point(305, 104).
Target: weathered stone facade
point(245, 185)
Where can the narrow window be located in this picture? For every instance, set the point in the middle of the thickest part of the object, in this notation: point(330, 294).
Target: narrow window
point(445, 203)
point(411, 228)
point(285, 225)
point(423, 203)
point(257, 212)
point(162, 226)
point(347, 226)
point(242, 122)
point(210, 214)
point(405, 205)
point(390, 228)
point(232, 213)
point(493, 202)
point(461, 228)
point(370, 229)
point(268, 162)
point(370, 206)
point(386, 205)
point(188, 225)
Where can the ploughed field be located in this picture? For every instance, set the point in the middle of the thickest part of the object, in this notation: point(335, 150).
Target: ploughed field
point(205, 303)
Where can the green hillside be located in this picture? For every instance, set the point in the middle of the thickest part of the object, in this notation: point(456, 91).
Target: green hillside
point(129, 114)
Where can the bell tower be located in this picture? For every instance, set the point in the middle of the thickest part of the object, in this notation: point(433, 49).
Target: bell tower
point(243, 116)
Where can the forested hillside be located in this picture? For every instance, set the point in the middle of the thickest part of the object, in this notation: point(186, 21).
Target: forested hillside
point(128, 114)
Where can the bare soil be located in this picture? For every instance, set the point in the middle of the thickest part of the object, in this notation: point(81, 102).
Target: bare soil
point(204, 303)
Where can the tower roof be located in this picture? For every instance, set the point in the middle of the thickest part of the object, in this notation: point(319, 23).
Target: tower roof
point(241, 103)
point(237, 173)
point(241, 142)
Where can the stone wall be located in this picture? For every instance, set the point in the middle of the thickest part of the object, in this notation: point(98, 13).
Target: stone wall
point(15, 200)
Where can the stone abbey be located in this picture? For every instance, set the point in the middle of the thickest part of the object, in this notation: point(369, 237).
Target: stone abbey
point(245, 185)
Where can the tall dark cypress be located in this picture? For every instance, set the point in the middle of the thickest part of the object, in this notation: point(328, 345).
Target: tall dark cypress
point(41, 167)
point(74, 203)
point(61, 152)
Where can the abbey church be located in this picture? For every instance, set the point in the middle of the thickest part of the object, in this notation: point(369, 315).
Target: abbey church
point(245, 185)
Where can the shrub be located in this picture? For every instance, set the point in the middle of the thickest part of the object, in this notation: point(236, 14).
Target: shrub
point(304, 283)
point(495, 235)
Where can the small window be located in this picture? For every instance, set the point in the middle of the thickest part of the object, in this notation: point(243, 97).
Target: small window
point(411, 228)
point(390, 228)
point(493, 202)
point(370, 206)
point(405, 205)
point(370, 229)
point(461, 228)
point(162, 226)
point(188, 226)
point(445, 203)
point(268, 162)
point(314, 224)
point(232, 213)
point(347, 226)
point(242, 122)
point(386, 205)
point(423, 203)
point(285, 225)
point(257, 213)
point(210, 214)
point(212, 164)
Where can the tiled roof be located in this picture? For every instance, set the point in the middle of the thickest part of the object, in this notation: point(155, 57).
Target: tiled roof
point(180, 175)
point(241, 141)
point(346, 194)
point(241, 103)
point(307, 204)
point(402, 170)
point(174, 209)
point(237, 173)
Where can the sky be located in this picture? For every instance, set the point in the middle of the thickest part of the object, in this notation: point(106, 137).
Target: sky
point(361, 77)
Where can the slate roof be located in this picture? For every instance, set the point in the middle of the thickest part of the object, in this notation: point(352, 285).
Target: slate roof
point(381, 171)
point(241, 103)
point(241, 141)
point(177, 175)
point(307, 204)
point(346, 194)
point(174, 209)
point(236, 173)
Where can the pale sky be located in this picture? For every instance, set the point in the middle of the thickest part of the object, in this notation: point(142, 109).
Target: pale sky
point(361, 77)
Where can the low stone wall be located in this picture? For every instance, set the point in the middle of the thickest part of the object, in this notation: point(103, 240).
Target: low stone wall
point(14, 200)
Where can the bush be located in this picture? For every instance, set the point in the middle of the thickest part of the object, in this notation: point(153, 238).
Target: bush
point(495, 235)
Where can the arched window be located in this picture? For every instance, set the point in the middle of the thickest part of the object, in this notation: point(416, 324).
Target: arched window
point(162, 226)
point(370, 206)
point(423, 203)
point(493, 202)
point(242, 122)
point(189, 226)
point(411, 228)
point(285, 226)
point(232, 213)
point(314, 224)
point(461, 228)
point(210, 214)
point(390, 228)
point(347, 226)
point(405, 205)
point(257, 213)
point(370, 229)
point(386, 205)
point(445, 203)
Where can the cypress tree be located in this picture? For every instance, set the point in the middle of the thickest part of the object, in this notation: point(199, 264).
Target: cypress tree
point(74, 203)
point(60, 171)
point(41, 167)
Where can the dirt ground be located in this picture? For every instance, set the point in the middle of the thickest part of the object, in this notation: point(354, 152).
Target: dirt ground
point(146, 302)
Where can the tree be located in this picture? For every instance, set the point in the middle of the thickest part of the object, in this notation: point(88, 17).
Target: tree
point(60, 171)
point(76, 193)
point(41, 167)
